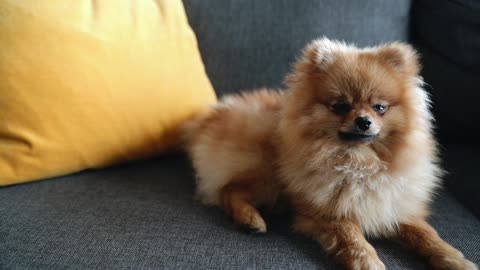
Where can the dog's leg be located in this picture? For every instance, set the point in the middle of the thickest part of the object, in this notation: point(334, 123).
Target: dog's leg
point(238, 203)
point(343, 240)
point(420, 237)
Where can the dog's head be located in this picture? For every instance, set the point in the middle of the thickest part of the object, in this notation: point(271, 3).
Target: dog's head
point(352, 96)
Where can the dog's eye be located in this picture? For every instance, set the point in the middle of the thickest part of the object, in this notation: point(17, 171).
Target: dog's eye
point(341, 108)
point(380, 108)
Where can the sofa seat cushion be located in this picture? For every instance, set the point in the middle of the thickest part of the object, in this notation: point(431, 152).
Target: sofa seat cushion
point(143, 215)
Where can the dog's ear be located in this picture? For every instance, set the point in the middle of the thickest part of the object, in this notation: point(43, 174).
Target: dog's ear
point(322, 52)
point(314, 59)
point(317, 55)
point(400, 56)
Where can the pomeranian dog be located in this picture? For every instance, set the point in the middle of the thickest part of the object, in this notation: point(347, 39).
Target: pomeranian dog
point(348, 142)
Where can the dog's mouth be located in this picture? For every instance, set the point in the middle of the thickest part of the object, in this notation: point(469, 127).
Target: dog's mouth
point(356, 137)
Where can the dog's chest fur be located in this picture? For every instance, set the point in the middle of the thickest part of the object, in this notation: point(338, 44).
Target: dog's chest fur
point(362, 190)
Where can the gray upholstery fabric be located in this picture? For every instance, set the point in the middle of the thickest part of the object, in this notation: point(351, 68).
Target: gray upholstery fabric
point(251, 43)
point(143, 216)
point(447, 33)
point(461, 163)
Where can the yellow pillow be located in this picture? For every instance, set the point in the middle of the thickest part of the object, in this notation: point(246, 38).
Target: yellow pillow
point(89, 83)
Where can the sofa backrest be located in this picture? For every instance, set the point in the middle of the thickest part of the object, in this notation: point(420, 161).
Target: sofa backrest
point(447, 33)
point(252, 43)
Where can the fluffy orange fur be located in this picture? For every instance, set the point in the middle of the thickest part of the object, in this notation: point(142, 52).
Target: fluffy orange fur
point(343, 179)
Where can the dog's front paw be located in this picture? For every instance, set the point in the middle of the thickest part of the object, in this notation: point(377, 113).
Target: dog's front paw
point(371, 263)
point(469, 265)
point(457, 262)
point(364, 259)
point(366, 262)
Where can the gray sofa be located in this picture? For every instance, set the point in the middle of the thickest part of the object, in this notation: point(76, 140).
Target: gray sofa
point(143, 215)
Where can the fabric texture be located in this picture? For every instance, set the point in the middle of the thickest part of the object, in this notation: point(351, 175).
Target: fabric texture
point(250, 43)
point(90, 83)
point(447, 34)
point(144, 216)
point(461, 164)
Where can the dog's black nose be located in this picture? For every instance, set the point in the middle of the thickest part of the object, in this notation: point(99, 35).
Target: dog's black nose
point(363, 122)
